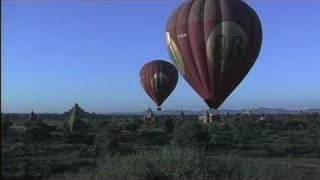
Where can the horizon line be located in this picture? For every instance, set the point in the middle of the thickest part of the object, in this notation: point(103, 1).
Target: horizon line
point(164, 110)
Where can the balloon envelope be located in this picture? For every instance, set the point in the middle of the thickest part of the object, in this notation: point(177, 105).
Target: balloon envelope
point(159, 78)
point(214, 44)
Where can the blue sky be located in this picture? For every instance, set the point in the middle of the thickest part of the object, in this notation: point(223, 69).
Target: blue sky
point(57, 53)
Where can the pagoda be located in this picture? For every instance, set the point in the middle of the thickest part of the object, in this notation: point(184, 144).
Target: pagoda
point(75, 125)
point(149, 117)
point(34, 121)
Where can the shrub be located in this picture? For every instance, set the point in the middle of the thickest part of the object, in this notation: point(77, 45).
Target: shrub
point(169, 126)
point(133, 125)
point(167, 163)
point(175, 163)
point(110, 141)
point(191, 134)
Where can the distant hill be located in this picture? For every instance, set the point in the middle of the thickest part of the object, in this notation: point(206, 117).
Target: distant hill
point(263, 110)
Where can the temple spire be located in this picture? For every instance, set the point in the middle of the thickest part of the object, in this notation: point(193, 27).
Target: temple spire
point(33, 116)
point(74, 124)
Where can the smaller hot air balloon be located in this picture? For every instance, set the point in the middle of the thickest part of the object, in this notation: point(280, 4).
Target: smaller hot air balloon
point(158, 78)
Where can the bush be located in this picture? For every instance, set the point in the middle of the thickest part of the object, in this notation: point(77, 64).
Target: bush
point(133, 125)
point(110, 141)
point(153, 137)
point(169, 125)
point(175, 163)
point(191, 134)
point(221, 136)
point(167, 163)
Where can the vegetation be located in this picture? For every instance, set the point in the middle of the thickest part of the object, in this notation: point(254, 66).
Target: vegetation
point(125, 147)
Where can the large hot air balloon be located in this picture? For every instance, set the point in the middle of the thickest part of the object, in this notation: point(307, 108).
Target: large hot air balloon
point(214, 44)
point(159, 78)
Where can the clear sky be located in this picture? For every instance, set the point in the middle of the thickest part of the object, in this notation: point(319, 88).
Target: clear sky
point(56, 53)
